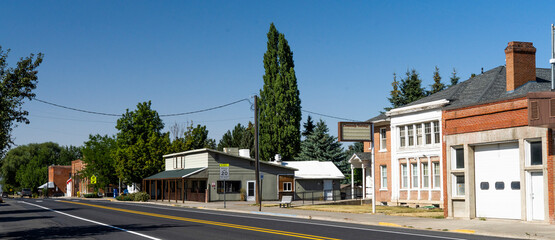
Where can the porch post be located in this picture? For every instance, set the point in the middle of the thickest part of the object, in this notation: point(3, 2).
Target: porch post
point(175, 187)
point(183, 190)
point(163, 195)
point(363, 181)
point(156, 190)
point(352, 182)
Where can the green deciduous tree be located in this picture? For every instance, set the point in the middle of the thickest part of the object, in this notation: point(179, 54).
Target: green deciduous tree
point(98, 154)
point(280, 104)
point(140, 144)
point(454, 78)
point(321, 146)
point(193, 138)
point(16, 85)
point(27, 165)
point(438, 85)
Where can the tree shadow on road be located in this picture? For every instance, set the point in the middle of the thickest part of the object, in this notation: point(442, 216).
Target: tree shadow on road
point(24, 211)
point(15, 219)
point(77, 231)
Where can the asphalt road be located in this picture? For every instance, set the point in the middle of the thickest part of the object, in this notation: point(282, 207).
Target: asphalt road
point(83, 219)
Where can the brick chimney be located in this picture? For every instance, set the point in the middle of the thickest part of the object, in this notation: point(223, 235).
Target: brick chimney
point(521, 64)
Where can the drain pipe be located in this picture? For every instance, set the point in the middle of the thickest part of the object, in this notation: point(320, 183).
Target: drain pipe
point(552, 60)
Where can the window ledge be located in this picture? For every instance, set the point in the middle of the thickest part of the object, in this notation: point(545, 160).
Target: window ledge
point(383, 189)
point(382, 150)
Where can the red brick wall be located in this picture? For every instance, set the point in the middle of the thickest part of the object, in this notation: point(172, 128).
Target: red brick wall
point(550, 177)
point(382, 159)
point(506, 114)
point(59, 175)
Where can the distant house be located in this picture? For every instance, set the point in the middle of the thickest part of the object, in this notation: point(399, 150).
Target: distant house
point(57, 178)
point(319, 179)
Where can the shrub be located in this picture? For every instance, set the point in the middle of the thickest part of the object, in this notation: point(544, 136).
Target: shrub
point(141, 196)
point(124, 198)
point(91, 195)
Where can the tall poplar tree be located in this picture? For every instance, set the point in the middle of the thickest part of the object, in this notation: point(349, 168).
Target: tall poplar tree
point(280, 103)
point(438, 85)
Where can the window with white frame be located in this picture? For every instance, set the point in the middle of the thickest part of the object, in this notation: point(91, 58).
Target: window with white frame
point(410, 132)
point(383, 139)
point(383, 176)
point(436, 131)
point(436, 180)
point(428, 132)
point(419, 134)
point(414, 168)
point(425, 176)
point(287, 186)
point(404, 176)
point(402, 136)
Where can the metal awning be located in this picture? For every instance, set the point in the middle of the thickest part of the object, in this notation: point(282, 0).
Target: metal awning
point(179, 173)
point(47, 185)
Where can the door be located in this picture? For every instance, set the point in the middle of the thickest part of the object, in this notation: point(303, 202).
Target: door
point(251, 190)
point(497, 176)
point(328, 190)
point(536, 195)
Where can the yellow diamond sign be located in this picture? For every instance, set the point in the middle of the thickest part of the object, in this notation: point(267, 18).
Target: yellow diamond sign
point(93, 179)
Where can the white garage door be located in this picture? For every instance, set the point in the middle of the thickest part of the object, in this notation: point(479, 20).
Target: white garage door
point(497, 181)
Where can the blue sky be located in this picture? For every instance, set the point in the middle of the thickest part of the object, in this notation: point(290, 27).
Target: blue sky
point(108, 56)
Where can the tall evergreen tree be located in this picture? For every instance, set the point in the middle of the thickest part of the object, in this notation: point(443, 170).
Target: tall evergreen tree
point(396, 99)
point(308, 127)
point(454, 78)
point(280, 104)
point(411, 87)
point(438, 85)
point(321, 146)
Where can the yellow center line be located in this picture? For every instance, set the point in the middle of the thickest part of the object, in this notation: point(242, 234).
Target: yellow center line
point(222, 224)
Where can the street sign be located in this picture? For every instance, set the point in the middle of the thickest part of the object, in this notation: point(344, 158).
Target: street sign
point(93, 179)
point(224, 173)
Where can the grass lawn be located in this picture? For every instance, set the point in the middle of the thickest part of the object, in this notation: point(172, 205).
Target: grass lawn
point(387, 210)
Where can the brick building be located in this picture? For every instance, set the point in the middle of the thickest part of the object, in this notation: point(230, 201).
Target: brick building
point(58, 175)
point(471, 148)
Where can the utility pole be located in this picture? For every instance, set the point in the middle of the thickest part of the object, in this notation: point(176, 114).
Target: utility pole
point(256, 157)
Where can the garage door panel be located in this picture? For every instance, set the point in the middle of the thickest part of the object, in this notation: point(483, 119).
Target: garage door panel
point(496, 166)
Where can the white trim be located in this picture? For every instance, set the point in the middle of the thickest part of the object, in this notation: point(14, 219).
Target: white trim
point(417, 107)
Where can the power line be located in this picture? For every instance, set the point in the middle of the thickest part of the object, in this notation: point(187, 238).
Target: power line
point(161, 115)
point(324, 115)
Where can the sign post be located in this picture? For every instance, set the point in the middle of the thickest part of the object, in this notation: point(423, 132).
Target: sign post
point(224, 175)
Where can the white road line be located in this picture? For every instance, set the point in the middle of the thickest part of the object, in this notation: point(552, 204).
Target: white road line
point(92, 221)
point(39, 200)
point(311, 223)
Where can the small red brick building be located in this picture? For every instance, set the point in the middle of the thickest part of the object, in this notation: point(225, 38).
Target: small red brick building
point(58, 175)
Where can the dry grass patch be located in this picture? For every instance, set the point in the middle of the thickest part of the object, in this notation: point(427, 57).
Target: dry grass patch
point(367, 208)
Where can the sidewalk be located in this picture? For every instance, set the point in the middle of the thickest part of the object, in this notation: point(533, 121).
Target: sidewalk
point(489, 227)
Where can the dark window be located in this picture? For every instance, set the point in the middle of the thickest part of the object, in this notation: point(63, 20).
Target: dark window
point(536, 153)
point(230, 186)
point(459, 156)
point(484, 185)
point(199, 186)
point(499, 185)
point(515, 185)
